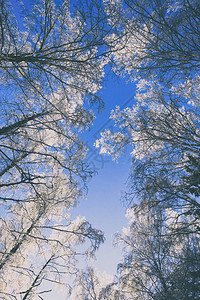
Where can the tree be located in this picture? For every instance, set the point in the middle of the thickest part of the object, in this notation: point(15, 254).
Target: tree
point(161, 246)
point(163, 131)
point(156, 265)
point(90, 284)
point(50, 66)
point(161, 37)
point(160, 51)
point(192, 180)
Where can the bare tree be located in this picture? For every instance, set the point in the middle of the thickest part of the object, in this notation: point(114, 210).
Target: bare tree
point(92, 285)
point(163, 131)
point(50, 67)
point(161, 245)
point(156, 264)
point(161, 37)
point(161, 51)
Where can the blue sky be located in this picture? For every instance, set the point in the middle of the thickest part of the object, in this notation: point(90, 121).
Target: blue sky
point(103, 208)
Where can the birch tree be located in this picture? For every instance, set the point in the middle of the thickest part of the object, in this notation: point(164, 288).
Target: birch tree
point(51, 68)
point(90, 284)
point(160, 52)
point(157, 264)
point(163, 131)
point(160, 37)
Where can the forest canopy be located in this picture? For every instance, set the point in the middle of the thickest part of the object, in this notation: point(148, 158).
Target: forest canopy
point(54, 59)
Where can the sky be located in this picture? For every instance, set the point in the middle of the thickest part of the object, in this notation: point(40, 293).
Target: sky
point(103, 207)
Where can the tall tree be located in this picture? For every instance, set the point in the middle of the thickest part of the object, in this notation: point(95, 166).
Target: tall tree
point(160, 50)
point(156, 264)
point(50, 66)
point(163, 131)
point(161, 246)
point(161, 37)
point(91, 285)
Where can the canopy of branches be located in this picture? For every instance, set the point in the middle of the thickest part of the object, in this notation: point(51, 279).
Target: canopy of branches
point(52, 64)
